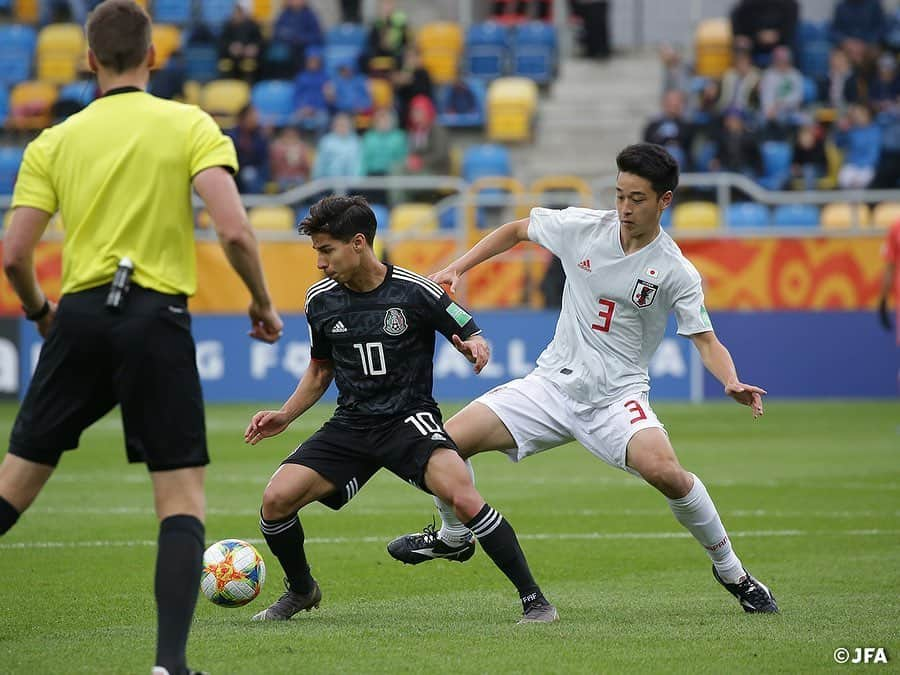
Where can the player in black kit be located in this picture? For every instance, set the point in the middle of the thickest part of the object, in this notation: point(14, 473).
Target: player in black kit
point(372, 330)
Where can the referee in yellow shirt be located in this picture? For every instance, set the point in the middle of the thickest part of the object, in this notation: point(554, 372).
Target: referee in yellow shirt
point(120, 172)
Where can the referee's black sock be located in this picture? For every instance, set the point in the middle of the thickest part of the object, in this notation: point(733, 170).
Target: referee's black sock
point(498, 539)
point(8, 516)
point(285, 539)
point(179, 561)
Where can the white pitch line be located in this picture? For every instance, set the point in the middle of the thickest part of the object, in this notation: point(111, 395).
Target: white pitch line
point(559, 536)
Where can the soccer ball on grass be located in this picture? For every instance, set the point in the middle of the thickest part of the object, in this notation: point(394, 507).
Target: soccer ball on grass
point(233, 573)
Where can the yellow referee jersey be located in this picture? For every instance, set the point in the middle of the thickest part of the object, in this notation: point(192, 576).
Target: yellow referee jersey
point(120, 174)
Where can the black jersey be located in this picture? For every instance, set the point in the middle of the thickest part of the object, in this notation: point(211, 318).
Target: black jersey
point(382, 342)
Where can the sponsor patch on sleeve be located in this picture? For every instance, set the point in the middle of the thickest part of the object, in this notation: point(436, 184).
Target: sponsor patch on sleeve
point(704, 316)
point(460, 316)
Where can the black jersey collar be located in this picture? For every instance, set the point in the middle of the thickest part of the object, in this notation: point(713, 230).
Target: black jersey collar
point(121, 90)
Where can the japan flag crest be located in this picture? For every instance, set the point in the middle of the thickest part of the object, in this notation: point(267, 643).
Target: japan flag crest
point(644, 293)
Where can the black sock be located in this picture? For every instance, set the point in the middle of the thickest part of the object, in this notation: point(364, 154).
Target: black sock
point(8, 516)
point(179, 561)
point(285, 539)
point(498, 539)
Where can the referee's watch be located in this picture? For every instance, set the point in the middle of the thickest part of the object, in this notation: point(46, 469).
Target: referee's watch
point(39, 314)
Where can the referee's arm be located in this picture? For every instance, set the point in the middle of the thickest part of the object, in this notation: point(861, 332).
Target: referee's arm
point(22, 236)
point(218, 191)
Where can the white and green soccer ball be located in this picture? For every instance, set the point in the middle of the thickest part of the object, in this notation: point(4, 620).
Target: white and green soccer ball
point(233, 573)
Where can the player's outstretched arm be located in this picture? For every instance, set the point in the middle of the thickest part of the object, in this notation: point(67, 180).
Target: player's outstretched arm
point(475, 349)
point(718, 361)
point(268, 423)
point(502, 239)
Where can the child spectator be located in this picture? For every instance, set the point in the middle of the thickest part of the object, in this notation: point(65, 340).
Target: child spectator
point(290, 159)
point(860, 139)
point(809, 162)
point(339, 153)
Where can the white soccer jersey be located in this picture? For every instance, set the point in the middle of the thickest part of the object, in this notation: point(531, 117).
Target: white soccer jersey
point(615, 306)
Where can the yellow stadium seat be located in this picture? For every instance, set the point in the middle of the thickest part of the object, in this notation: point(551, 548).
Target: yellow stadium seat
point(511, 104)
point(223, 99)
point(840, 216)
point(440, 44)
point(264, 10)
point(273, 218)
point(27, 11)
point(562, 183)
point(696, 216)
point(192, 92)
point(834, 159)
point(60, 51)
point(712, 47)
point(886, 214)
point(413, 217)
point(382, 92)
point(166, 40)
point(29, 105)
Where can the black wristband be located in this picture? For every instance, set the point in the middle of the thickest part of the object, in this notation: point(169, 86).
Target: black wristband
point(40, 314)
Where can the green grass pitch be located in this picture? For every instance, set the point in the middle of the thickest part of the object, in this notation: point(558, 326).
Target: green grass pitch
point(810, 495)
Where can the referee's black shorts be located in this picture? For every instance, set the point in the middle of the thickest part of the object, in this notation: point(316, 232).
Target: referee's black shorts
point(349, 457)
point(142, 358)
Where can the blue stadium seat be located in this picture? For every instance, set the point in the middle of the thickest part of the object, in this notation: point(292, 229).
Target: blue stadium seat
point(172, 11)
point(301, 212)
point(10, 159)
point(776, 157)
point(201, 62)
point(215, 12)
point(382, 216)
point(534, 51)
point(81, 91)
point(347, 35)
point(795, 215)
point(19, 36)
point(460, 120)
point(747, 214)
point(447, 219)
point(485, 160)
point(334, 56)
point(486, 50)
point(16, 53)
point(274, 100)
point(4, 105)
point(665, 220)
point(810, 90)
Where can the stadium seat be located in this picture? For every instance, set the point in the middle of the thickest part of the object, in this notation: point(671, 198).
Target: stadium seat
point(274, 100)
point(215, 12)
point(413, 217)
point(665, 220)
point(272, 218)
point(29, 105)
point(264, 10)
point(17, 53)
point(462, 120)
point(795, 215)
point(485, 160)
point(843, 216)
point(487, 50)
point(712, 47)
point(747, 214)
point(813, 49)
point(172, 11)
point(80, 91)
point(382, 92)
point(335, 56)
point(60, 50)
point(534, 51)
point(886, 214)
point(26, 11)
point(543, 188)
point(348, 35)
point(4, 105)
point(10, 160)
point(449, 217)
point(776, 156)
point(201, 63)
point(223, 99)
point(440, 44)
point(18, 36)
point(382, 216)
point(166, 40)
point(696, 216)
point(511, 105)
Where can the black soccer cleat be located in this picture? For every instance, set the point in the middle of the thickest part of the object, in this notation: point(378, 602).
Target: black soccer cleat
point(754, 596)
point(412, 549)
point(538, 610)
point(290, 603)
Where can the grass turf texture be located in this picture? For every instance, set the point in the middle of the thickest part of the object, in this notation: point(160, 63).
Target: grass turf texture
point(810, 495)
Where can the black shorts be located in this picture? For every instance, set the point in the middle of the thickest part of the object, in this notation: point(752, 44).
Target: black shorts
point(350, 457)
point(143, 359)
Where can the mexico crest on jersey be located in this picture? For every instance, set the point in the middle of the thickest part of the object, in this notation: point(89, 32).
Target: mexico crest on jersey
point(395, 321)
point(644, 293)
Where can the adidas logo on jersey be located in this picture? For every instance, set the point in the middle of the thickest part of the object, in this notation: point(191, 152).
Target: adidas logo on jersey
point(585, 264)
point(339, 327)
point(438, 437)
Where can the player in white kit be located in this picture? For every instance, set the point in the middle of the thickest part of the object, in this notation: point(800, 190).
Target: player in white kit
point(623, 277)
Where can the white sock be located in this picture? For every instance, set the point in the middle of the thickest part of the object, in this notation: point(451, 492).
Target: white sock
point(452, 531)
point(698, 514)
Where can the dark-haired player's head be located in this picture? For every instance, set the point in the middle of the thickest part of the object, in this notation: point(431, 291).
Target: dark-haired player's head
point(342, 230)
point(648, 176)
point(119, 37)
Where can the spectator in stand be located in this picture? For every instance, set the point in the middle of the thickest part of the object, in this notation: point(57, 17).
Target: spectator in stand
point(860, 139)
point(252, 151)
point(841, 85)
point(767, 24)
point(240, 44)
point(885, 85)
point(705, 112)
point(390, 33)
point(671, 129)
point(887, 172)
point(857, 27)
point(809, 163)
point(349, 90)
point(410, 81)
point(781, 92)
point(737, 147)
point(676, 73)
point(339, 153)
point(311, 104)
point(740, 83)
point(427, 141)
point(384, 145)
point(461, 100)
point(168, 81)
point(298, 27)
point(290, 159)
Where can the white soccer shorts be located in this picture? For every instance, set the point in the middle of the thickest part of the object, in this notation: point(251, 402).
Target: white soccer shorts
point(540, 416)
